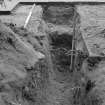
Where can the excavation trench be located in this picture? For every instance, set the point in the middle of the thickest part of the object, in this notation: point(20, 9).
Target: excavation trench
point(49, 81)
point(70, 88)
point(57, 45)
point(64, 86)
point(59, 39)
point(60, 46)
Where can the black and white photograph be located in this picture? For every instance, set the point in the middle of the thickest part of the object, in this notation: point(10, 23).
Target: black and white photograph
point(52, 52)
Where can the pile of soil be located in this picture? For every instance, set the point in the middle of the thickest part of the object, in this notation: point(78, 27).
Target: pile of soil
point(17, 60)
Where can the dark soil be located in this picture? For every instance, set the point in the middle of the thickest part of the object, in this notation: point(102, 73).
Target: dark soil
point(61, 45)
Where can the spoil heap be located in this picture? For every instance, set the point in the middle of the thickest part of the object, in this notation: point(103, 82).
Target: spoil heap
point(17, 56)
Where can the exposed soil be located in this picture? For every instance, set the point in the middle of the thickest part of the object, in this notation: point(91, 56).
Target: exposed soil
point(35, 66)
point(61, 45)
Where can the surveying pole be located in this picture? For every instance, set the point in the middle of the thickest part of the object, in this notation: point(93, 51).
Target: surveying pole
point(73, 43)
